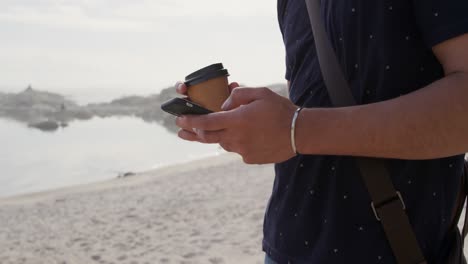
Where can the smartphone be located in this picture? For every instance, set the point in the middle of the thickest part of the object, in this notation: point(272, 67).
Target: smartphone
point(182, 106)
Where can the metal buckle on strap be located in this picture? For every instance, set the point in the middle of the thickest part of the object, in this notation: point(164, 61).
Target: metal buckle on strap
point(392, 199)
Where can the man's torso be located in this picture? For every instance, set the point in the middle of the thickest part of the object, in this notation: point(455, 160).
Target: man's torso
point(320, 211)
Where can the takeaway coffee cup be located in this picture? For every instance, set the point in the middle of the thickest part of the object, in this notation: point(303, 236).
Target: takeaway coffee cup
point(208, 87)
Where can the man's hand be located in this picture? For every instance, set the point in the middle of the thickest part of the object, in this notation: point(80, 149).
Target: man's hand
point(182, 89)
point(255, 123)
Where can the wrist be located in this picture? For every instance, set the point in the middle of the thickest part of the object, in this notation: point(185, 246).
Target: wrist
point(300, 131)
point(315, 131)
point(328, 131)
point(293, 130)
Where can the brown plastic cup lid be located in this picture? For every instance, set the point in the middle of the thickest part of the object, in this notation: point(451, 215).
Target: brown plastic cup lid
point(210, 72)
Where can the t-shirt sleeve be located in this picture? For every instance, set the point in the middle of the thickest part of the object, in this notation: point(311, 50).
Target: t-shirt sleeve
point(440, 20)
point(287, 76)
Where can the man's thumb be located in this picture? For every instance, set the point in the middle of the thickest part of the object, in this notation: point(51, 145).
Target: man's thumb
point(241, 96)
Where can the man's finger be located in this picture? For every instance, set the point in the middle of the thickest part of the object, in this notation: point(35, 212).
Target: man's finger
point(209, 122)
point(233, 86)
point(209, 137)
point(187, 135)
point(227, 147)
point(181, 88)
point(243, 96)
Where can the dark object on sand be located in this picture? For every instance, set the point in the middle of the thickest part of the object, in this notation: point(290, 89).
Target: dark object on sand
point(127, 174)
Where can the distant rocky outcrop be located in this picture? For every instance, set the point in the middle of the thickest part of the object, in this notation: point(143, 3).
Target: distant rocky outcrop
point(49, 111)
point(42, 110)
point(47, 125)
point(147, 108)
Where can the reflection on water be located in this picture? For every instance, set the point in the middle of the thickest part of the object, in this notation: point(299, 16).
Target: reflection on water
point(86, 151)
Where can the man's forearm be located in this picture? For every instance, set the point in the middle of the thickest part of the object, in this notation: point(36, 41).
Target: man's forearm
point(429, 123)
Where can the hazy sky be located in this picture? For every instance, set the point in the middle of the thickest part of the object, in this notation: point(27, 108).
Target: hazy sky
point(101, 48)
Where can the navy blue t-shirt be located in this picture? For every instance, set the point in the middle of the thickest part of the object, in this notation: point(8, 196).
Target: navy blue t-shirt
point(319, 211)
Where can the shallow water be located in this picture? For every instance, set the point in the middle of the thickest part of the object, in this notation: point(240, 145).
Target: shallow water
point(85, 152)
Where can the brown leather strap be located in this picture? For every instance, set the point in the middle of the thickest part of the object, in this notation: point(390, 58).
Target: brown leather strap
point(387, 203)
point(389, 208)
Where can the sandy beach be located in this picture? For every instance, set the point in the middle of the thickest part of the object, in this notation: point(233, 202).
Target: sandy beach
point(206, 211)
